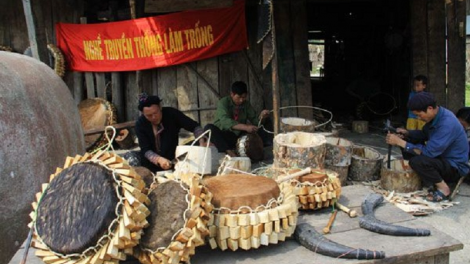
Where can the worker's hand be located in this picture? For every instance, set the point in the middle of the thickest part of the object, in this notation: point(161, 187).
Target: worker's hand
point(263, 114)
point(402, 131)
point(395, 140)
point(164, 163)
point(251, 128)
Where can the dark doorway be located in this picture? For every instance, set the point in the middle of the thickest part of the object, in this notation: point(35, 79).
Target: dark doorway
point(366, 62)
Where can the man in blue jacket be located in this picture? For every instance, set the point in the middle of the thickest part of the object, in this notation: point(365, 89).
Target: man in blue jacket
point(439, 152)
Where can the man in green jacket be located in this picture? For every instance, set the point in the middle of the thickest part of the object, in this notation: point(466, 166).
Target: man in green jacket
point(234, 117)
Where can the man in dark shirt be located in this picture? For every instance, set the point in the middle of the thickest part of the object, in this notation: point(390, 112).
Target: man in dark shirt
point(157, 131)
point(439, 152)
point(234, 116)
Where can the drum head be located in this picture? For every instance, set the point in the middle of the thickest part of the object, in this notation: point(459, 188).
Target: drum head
point(316, 176)
point(77, 208)
point(236, 190)
point(168, 205)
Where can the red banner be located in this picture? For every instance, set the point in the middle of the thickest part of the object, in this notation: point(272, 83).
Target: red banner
point(155, 41)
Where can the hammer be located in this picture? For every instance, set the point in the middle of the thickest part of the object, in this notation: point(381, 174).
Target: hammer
point(327, 228)
point(351, 213)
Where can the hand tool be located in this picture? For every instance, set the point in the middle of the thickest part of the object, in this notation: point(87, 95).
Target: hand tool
point(327, 228)
point(351, 213)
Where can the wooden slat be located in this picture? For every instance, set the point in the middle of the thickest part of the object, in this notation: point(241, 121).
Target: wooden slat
point(166, 82)
point(419, 39)
point(456, 20)
point(118, 95)
point(301, 60)
point(285, 54)
point(208, 70)
point(132, 96)
point(36, 30)
point(239, 68)
point(437, 51)
point(225, 76)
point(100, 85)
point(162, 6)
point(187, 91)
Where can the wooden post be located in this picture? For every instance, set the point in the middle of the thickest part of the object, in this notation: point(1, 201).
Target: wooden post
point(275, 78)
point(419, 37)
point(36, 30)
point(118, 100)
point(456, 37)
point(437, 50)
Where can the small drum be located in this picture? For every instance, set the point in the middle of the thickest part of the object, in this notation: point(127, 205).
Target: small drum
point(96, 113)
point(250, 211)
point(93, 210)
point(291, 124)
point(250, 145)
point(178, 222)
point(318, 189)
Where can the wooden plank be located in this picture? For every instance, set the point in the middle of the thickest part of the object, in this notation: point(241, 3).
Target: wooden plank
point(456, 35)
point(239, 68)
point(146, 79)
point(117, 95)
point(78, 87)
point(419, 37)
point(301, 63)
point(286, 55)
point(208, 70)
point(166, 82)
point(36, 30)
point(100, 85)
point(225, 76)
point(162, 6)
point(437, 51)
point(186, 91)
point(132, 97)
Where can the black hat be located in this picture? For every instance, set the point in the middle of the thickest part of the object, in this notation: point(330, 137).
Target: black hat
point(146, 101)
point(420, 101)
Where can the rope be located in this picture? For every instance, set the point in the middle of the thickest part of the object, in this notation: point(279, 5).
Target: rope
point(109, 145)
point(300, 106)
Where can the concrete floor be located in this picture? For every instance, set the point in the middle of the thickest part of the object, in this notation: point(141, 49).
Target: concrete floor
point(454, 221)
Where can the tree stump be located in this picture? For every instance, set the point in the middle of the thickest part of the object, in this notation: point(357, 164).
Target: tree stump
point(365, 164)
point(291, 124)
point(400, 177)
point(299, 150)
point(338, 151)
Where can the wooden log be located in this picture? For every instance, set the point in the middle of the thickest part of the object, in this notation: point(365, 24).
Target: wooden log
point(365, 164)
point(291, 124)
point(400, 177)
point(299, 150)
point(124, 139)
point(338, 151)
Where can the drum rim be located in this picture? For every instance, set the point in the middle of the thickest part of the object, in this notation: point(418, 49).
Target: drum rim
point(116, 165)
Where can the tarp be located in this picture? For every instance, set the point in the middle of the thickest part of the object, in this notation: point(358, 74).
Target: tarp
point(155, 41)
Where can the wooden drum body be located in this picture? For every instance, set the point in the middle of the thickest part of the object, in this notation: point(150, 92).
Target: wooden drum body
point(400, 177)
point(338, 156)
point(235, 165)
point(291, 124)
point(317, 190)
point(180, 212)
point(299, 150)
point(366, 163)
point(250, 211)
point(93, 210)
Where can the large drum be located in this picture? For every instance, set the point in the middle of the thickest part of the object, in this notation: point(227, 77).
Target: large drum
point(93, 210)
point(250, 211)
point(250, 145)
point(178, 221)
point(96, 113)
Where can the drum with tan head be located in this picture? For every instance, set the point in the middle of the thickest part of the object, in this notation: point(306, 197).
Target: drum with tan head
point(92, 211)
point(180, 211)
point(96, 113)
point(250, 211)
point(319, 189)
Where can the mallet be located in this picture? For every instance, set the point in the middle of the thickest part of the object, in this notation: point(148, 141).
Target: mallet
point(351, 213)
point(327, 228)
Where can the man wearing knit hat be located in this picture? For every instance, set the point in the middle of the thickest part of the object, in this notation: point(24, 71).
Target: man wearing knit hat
point(439, 152)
